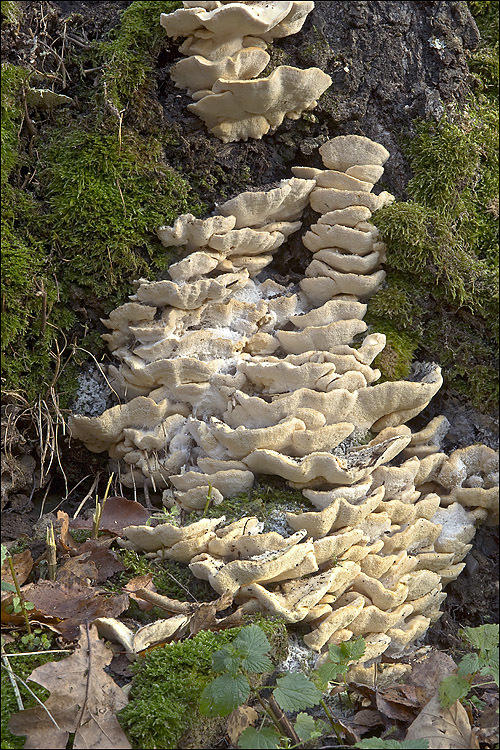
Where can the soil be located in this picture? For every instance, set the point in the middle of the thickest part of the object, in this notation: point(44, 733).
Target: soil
point(385, 72)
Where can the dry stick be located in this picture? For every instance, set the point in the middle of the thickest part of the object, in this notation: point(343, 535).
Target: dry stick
point(37, 653)
point(13, 682)
point(45, 497)
point(283, 721)
point(51, 553)
point(164, 602)
point(23, 683)
point(89, 493)
point(89, 673)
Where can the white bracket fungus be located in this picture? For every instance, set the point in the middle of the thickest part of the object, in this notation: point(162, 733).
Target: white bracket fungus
point(225, 376)
point(225, 44)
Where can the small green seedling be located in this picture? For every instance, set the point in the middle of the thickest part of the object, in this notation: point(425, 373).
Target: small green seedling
point(483, 661)
point(19, 605)
point(248, 655)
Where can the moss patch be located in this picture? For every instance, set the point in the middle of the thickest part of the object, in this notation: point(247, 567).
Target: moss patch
point(167, 685)
point(22, 666)
point(442, 255)
point(81, 199)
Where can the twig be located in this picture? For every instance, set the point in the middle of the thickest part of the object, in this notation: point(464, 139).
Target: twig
point(45, 498)
point(89, 493)
point(283, 721)
point(164, 602)
point(13, 682)
point(30, 691)
point(37, 653)
point(89, 674)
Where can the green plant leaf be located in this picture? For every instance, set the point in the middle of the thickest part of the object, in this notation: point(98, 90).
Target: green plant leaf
point(226, 660)
point(352, 650)
point(468, 665)
point(253, 738)
point(295, 692)
point(491, 668)
point(484, 637)
point(253, 645)
point(28, 605)
point(328, 672)
point(308, 728)
point(6, 586)
point(224, 694)
point(5, 552)
point(452, 688)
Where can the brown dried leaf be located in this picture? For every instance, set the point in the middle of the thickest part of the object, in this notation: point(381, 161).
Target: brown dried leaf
point(72, 604)
point(241, 718)
point(428, 673)
point(205, 619)
point(488, 725)
point(23, 564)
point(398, 702)
point(65, 538)
point(365, 720)
point(83, 699)
point(144, 583)
point(444, 728)
point(118, 513)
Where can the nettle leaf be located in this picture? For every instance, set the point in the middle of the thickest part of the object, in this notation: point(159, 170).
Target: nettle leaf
point(468, 665)
point(308, 728)
point(253, 738)
point(226, 661)
point(224, 694)
point(484, 638)
point(491, 668)
point(295, 692)
point(252, 646)
point(453, 688)
point(328, 673)
point(353, 650)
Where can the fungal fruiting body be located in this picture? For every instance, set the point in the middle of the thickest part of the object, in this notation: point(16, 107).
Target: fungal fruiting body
point(225, 376)
point(225, 46)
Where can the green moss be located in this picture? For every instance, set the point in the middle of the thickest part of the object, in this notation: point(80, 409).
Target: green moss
point(169, 577)
point(130, 54)
point(268, 495)
point(395, 361)
point(81, 231)
point(442, 257)
point(12, 12)
point(486, 15)
point(167, 685)
point(23, 667)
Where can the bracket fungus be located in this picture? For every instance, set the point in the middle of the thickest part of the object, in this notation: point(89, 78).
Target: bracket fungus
point(226, 375)
point(225, 43)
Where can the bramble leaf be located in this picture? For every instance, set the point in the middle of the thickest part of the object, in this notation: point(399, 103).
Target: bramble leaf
point(224, 694)
point(295, 692)
point(453, 688)
point(264, 739)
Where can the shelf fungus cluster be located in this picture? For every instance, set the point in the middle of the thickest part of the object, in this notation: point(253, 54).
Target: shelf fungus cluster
point(225, 374)
point(225, 47)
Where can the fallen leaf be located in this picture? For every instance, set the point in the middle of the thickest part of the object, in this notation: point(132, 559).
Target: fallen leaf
point(399, 702)
point(83, 699)
point(141, 583)
point(161, 631)
point(239, 720)
point(428, 672)
point(488, 725)
point(117, 514)
point(72, 604)
point(365, 720)
point(65, 539)
point(23, 564)
point(444, 728)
